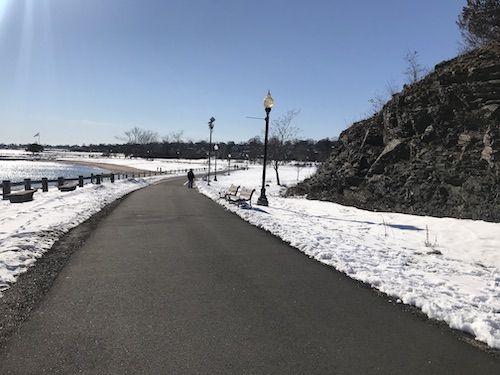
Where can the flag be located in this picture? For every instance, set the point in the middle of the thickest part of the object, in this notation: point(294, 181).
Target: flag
point(37, 135)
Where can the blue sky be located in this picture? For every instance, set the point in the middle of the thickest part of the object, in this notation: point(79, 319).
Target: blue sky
point(85, 71)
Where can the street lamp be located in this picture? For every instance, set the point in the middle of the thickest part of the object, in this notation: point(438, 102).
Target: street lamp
point(211, 127)
point(228, 163)
point(216, 148)
point(268, 104)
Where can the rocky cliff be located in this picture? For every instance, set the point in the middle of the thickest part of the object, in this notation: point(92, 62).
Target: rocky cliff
point(434, 149)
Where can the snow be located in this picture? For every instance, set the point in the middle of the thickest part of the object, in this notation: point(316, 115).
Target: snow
point(448, 268)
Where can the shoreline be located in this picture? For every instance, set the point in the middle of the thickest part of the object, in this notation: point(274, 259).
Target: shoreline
point(113, 168)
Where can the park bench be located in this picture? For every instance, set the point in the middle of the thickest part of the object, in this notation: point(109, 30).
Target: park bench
point(244, 197)
point(69, 187)
point(229, 193)
point(21, 196)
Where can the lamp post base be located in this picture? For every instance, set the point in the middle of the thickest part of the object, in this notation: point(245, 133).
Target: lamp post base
point(262, 201)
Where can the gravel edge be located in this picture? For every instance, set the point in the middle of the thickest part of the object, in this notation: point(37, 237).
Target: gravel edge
point(26, 294)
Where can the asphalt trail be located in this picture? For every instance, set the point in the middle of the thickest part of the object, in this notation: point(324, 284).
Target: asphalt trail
point(171, 283)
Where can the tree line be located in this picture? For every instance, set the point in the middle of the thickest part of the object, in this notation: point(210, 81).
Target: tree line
point(283, 145)
point(252, 150)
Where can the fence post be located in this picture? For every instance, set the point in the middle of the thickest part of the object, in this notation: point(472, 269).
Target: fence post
point(80, 181)
point(27, 184)
point(112, 177)
point(60, 181)
point(5, 188)
point(45, 184)
point(91, 178)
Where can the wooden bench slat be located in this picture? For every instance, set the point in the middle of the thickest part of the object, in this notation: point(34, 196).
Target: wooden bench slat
point(231, 192)
point(67, 187)
point(21, 196)
point(245, 195)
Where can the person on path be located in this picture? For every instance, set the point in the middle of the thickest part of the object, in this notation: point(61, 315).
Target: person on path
point(190, 178)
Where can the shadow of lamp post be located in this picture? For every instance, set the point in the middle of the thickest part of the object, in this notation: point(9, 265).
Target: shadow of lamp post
point(268, 104)
point(211, 127)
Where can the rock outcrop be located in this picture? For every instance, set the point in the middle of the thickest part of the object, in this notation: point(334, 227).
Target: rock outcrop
point(434, 149)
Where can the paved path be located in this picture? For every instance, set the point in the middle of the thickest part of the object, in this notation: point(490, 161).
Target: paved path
point(171, 283)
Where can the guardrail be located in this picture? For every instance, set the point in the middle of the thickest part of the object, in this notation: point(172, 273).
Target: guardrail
point(97, 179)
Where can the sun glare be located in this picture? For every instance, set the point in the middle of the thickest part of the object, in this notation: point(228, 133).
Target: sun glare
point(26, 39)
point(4, 4)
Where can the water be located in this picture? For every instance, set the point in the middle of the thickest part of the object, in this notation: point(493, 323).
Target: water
point(18, 170)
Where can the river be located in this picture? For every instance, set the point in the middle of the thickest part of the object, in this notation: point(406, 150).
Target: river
point(18, 170)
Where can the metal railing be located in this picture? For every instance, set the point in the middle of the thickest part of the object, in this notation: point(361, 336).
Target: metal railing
point(44, 183)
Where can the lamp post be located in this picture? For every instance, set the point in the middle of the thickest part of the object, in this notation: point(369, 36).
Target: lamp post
point(228, 164)
point(216, 148)
point(211, 127)
point(268, 104)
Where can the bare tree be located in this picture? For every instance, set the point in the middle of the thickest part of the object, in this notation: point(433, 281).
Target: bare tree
point(392, 88)
point(381, 98)
point(479, 23)
point(254, 148)
point(282, 136)
point(414, 71)
point(138, 136)
point(175, 137)
point(378, 102)
point(173, 144)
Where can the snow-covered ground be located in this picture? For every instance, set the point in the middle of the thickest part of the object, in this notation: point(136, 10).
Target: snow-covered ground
point(448, 268)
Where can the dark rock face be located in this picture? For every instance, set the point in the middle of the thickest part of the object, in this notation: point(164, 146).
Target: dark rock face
point(434, 149)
